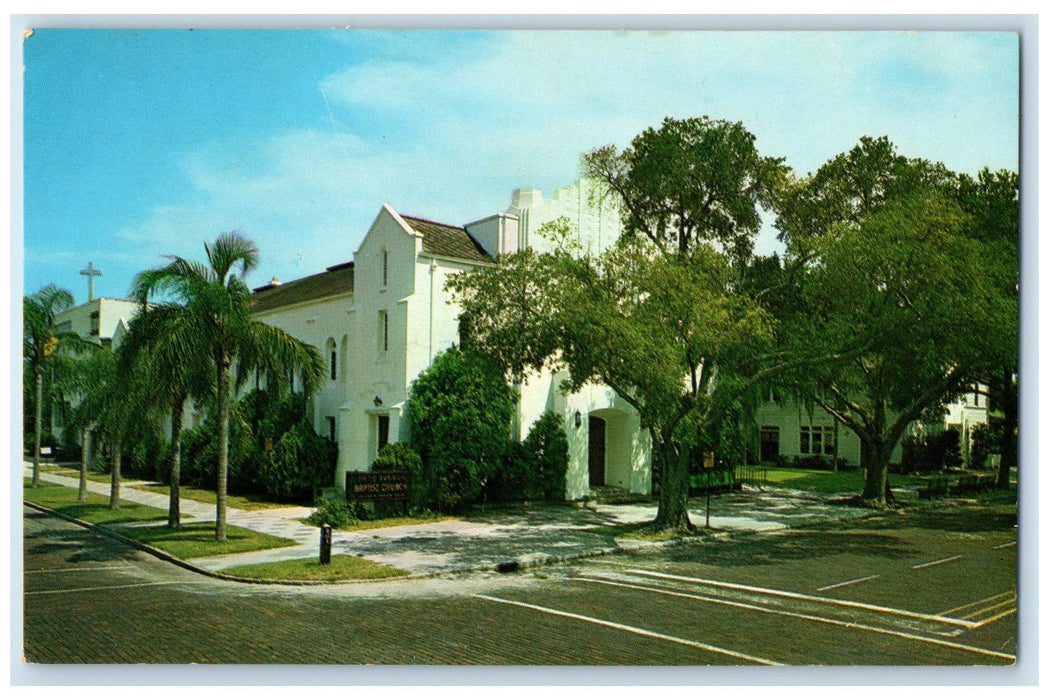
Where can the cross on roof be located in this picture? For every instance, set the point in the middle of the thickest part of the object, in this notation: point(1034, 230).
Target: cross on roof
point(91, 272)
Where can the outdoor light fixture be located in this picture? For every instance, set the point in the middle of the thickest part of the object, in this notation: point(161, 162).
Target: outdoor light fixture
point(578, 419)
point(377, 401)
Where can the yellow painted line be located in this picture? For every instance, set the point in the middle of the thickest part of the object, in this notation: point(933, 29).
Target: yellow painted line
point(989, 608)
point(999, 616)
point(937, 562)
point(977, 602)
point(813, 618)
point(634, 630)
point(849, 583)
point(1001, 546)
point(80, 568)
point(100, 588)
point(802, 596)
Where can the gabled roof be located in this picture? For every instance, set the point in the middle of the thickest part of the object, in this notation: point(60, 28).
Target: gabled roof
point(337, 279)
point(447, 241)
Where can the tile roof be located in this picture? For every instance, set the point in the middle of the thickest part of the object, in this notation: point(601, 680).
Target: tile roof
point(447, 241)
point(337, 279)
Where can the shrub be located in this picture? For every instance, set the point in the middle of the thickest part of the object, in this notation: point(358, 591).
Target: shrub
point(811, 462)
point(985, 441)
point(459, 416)
point(336, 512)
point(547, 449)
point(515, 478)
point(397, 457)
point(299, 462)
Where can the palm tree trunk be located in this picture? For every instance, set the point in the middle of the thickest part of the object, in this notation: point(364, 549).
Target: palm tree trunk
point(38, 420)
point(85, 458)
point(223, 399)
point(174, 521)
point(114, 483)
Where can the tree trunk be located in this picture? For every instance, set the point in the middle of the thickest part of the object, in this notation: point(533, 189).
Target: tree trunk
point(114, 482)
point(672, 514)
point(85, 459)
point(223, 399)
point(1007, 447)
point(874, 459)
point(38, 420)
point(174, 520)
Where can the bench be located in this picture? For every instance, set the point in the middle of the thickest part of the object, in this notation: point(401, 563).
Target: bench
point(937, 485)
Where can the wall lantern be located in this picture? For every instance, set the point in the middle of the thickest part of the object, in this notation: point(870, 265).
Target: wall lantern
point(377, 401)
point(578, 419)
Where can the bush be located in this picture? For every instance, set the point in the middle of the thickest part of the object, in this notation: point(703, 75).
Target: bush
point(985, 442)
point(336, 512)
point(547, 449)
point(397, 457)
point(459, 415)
point(812, 462)
point(514, 479)
point(299, 462)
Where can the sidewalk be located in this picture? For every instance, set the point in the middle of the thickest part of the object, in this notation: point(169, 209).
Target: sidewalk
point(505, 537)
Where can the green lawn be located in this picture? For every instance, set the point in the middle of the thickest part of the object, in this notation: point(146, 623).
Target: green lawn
point(193, 493)
point(343, 567)
point(198, 539)
point(827, 481)
point(63, 500)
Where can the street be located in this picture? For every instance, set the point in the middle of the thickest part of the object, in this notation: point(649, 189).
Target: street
point(909, 589)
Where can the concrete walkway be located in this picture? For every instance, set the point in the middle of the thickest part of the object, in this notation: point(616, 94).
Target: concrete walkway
point(508, 537)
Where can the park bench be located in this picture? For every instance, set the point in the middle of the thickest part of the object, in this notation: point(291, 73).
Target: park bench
point(937, 485)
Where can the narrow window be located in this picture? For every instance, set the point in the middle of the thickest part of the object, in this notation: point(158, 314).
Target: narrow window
point(331, 427)
point(804, 447)
point(385, 267)
point(94, 323)
point(828, 439)
point(817, 440)
point(333, 367)
point(384, 332)
point(384, 433)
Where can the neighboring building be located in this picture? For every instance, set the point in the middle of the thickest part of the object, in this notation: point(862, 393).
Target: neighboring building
point(99, 320)
point(380, 319)
point(790, 429)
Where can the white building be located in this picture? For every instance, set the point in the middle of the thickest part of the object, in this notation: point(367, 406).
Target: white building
point(380, 319)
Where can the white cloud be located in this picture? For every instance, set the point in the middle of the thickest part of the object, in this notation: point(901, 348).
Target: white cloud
point(450, 138)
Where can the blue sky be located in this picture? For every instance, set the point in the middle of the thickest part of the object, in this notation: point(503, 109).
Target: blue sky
point(141, 143)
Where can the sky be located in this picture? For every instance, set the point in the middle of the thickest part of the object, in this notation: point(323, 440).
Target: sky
point(145, 143)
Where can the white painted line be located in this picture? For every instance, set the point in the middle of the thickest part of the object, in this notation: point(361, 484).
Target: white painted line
point(977, 602)
point(100, 588)
point(813, 618)
point(802, 596)
point(849, 583)
point(82, 568)
point(937, 562)
point(1007, 544)
point(634, 630)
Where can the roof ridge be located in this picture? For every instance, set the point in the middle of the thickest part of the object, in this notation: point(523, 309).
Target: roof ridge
point(431, 221)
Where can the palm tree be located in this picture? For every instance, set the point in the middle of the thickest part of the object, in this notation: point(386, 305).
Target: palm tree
point(42, 342)
point(88, 381)
point(218, 316)
point(176, 366)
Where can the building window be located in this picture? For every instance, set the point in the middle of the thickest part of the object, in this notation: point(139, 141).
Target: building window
point(384, 433)
point(94, 323)
point(331, 427)
point(816, 439)
point(384, 333)
point(385, 267)
point(332, 365)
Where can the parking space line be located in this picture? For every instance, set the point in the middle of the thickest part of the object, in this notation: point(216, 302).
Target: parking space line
point(803, 596)
point(100, 588)
point(977, 602)
point(1001, 546)
point(999, 616)
point(633, 630)
point(80, 568)
point(813, 618)
point(989, 608)
point(937, 562)
point(849, 583)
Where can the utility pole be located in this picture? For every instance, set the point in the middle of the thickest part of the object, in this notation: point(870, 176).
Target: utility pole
point(91, 272)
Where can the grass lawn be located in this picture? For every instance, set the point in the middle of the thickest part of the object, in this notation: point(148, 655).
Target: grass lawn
point(193, 493)
point(827, 481)
point(63, 500)
point(198, 539)
point(343, 567)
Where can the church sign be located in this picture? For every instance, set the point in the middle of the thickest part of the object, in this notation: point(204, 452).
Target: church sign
point(377, 486)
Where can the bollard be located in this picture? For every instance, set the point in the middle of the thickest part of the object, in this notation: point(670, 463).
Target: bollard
point(325, 543)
